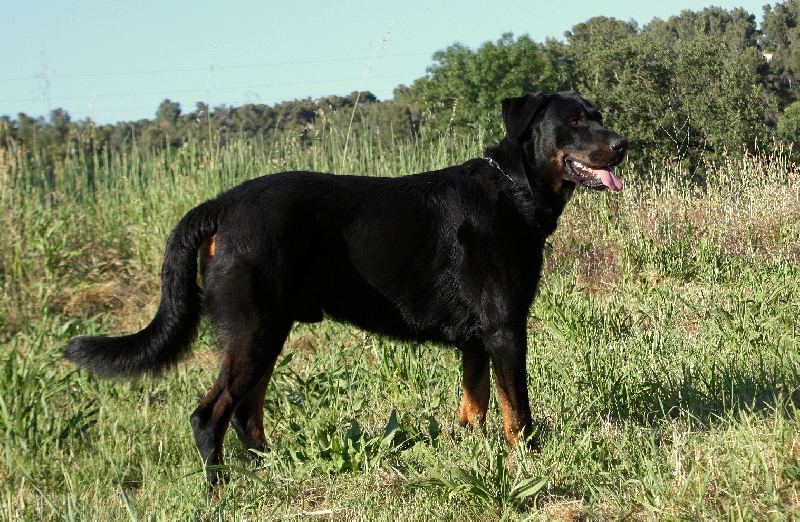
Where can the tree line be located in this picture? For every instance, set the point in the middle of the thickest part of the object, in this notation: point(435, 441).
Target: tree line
point(692, 88)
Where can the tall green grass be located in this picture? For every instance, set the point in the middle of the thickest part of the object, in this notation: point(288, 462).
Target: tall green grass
point(664, 361)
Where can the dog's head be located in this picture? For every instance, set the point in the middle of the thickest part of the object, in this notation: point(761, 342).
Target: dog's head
point(563, 138)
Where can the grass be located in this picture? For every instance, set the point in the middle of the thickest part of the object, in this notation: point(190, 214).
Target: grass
point(664, 361)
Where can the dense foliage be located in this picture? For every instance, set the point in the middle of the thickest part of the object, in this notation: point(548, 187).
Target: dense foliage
point(695, 87)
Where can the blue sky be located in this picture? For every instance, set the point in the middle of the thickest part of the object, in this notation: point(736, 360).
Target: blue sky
point(117, 60)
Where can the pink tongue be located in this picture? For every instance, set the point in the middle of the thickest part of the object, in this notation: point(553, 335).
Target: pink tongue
point(609, 179)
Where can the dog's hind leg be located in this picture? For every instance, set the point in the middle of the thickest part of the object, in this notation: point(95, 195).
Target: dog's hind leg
point(248, 360)
point(248, 419)
point(475, 383)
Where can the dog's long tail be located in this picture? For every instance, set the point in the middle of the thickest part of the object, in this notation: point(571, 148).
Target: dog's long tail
point(174, 327)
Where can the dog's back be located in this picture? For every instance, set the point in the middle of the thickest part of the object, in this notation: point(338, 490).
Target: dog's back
point(393, 255)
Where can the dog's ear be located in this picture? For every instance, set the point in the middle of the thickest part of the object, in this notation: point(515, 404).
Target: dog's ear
point(518, 113)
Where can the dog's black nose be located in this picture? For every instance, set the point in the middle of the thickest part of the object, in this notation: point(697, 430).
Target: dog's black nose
point(619, 145)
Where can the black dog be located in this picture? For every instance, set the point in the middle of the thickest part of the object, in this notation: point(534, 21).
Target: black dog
point(452, 256)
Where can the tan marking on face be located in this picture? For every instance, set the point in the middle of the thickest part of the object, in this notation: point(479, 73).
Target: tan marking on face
point(558, 163)
point(558, 157)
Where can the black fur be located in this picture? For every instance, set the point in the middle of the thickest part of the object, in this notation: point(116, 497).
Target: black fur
point(174, 326)
point(452, 256)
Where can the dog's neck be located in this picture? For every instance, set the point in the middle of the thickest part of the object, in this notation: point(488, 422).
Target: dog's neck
point(496, 165)
point(535, 195)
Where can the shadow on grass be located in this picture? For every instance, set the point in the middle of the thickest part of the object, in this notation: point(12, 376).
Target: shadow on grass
point(704, 395)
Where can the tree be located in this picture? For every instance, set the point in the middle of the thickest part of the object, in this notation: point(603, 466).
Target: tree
point(600, 27)
point(60, 121)
point(788, 127)
point(167, 114)
point(464, 87)
point(253, 120)
point(389, 122)
point(737, 28)
point(566, 58)
point(682, 104)
point(781, 41)
point(721, 97)
point(628, 80)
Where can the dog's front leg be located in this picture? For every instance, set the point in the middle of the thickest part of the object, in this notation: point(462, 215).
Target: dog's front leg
point(475, 383)
point(507, 348)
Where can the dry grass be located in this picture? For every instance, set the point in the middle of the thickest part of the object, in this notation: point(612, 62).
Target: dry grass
point(663, 359)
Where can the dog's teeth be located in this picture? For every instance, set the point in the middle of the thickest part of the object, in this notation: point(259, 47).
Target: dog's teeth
point(583, 169)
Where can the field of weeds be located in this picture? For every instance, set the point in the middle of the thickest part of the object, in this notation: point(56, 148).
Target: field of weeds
point(664, 357)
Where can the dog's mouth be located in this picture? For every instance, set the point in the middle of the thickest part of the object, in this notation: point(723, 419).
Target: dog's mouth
point(599, 178)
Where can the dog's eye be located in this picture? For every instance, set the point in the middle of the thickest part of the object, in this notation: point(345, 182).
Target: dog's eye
point(573, 122)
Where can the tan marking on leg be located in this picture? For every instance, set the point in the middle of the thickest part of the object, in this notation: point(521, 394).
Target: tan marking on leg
point(475, 402)
point(510, 420)
point(475, 385)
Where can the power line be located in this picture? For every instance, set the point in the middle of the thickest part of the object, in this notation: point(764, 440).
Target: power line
point(205, 90)
point(39, 76)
